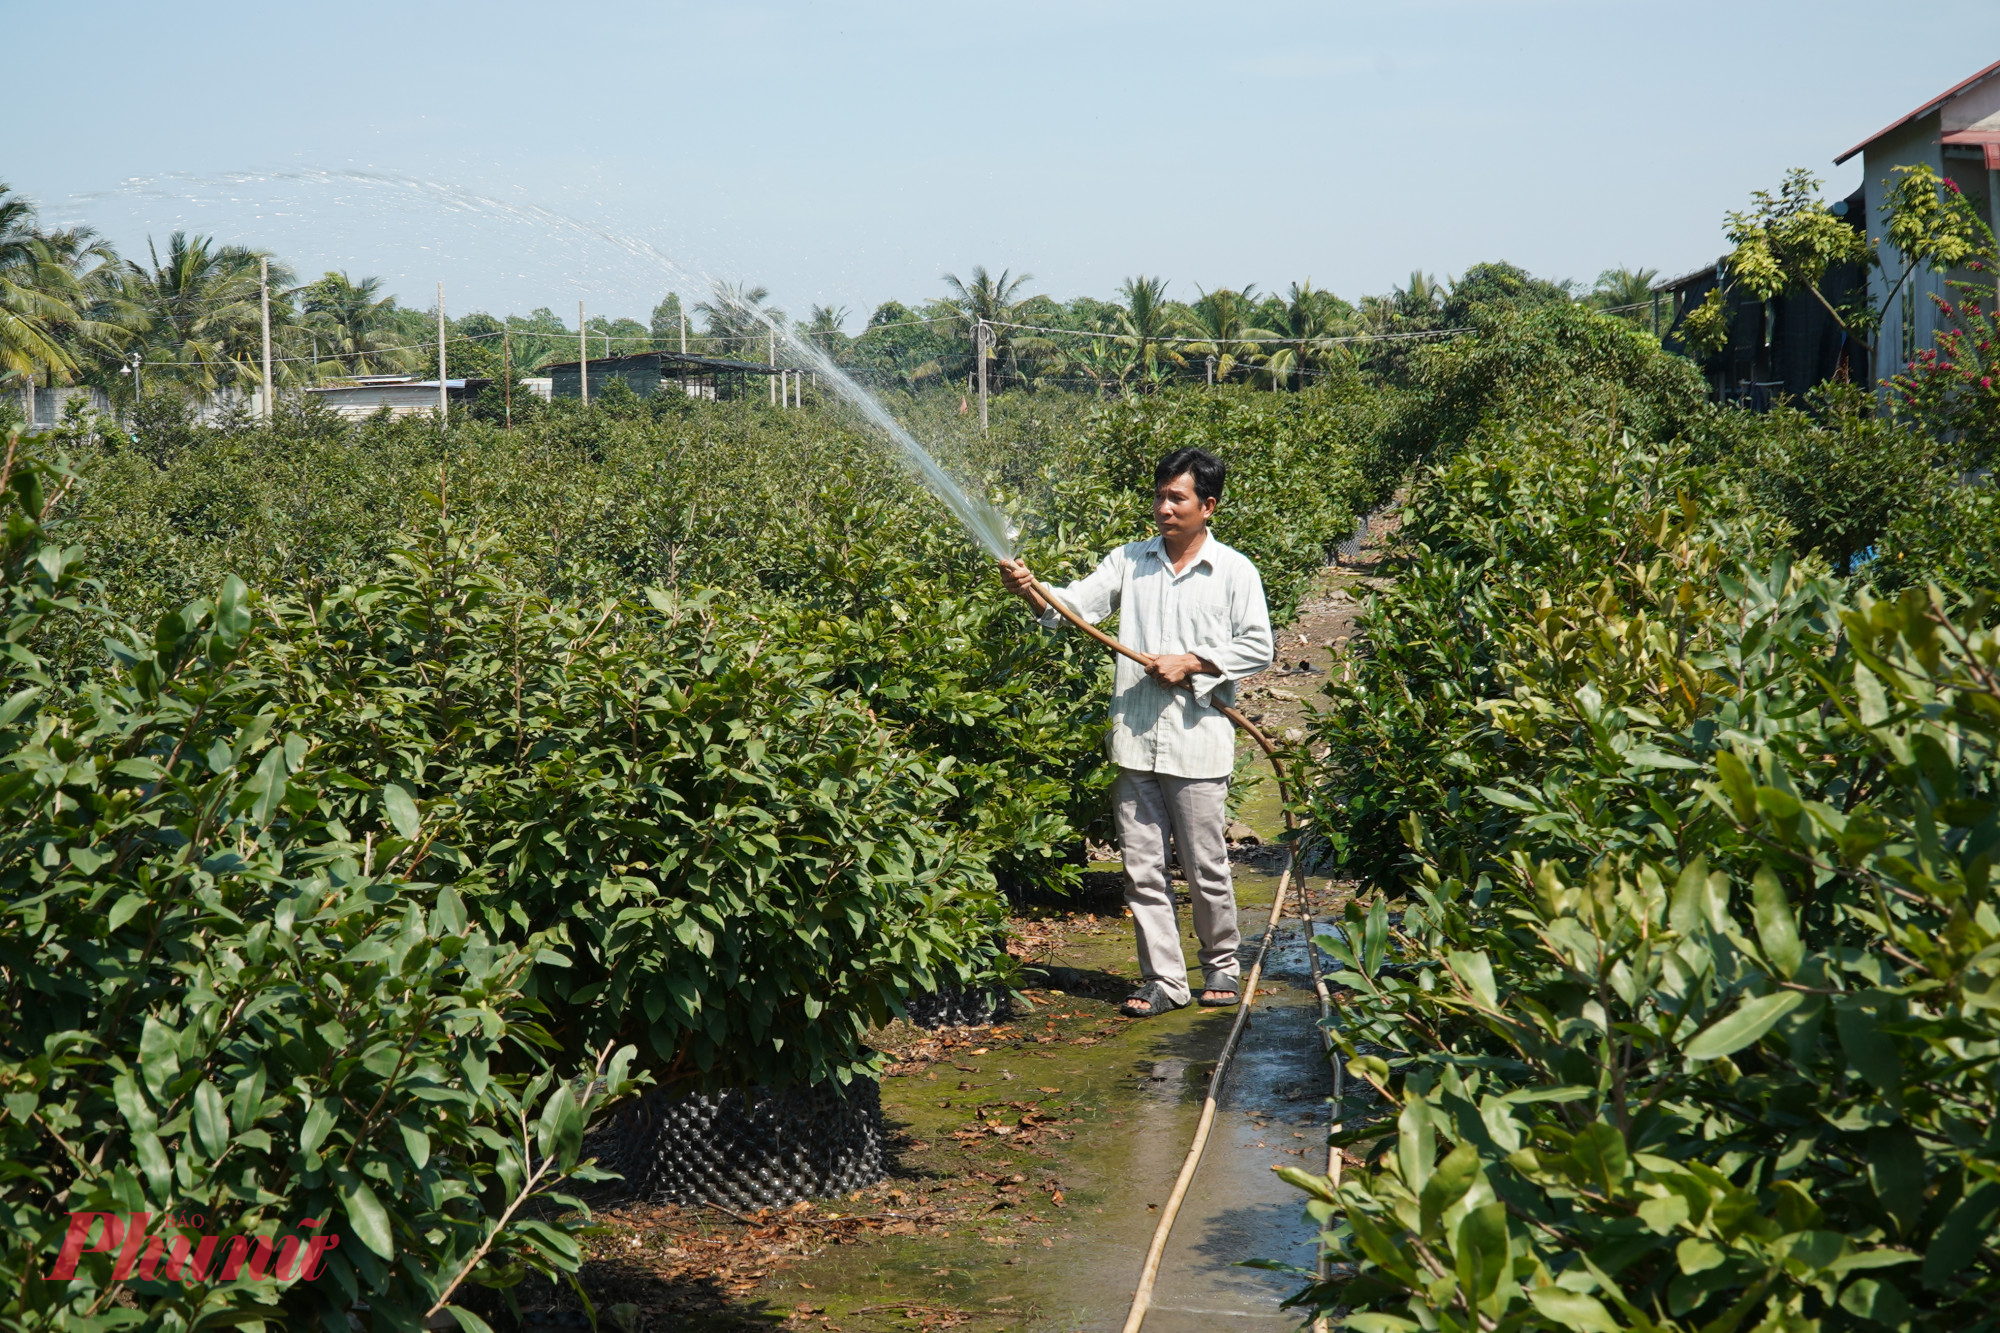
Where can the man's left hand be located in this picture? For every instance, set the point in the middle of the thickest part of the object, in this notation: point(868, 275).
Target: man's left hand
point(1171, 669)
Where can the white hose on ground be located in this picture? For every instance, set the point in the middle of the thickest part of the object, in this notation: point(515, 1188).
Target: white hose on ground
point(1143, 1297)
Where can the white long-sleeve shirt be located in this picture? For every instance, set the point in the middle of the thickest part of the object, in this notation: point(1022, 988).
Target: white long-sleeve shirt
point(1213, 609)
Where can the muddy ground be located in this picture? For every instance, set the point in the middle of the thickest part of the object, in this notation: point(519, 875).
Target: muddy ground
point(1029, 1158)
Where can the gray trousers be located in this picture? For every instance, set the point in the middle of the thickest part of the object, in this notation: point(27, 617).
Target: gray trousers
point(1157, 815)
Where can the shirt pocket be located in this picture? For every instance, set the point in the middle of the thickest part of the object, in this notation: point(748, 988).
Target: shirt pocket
point(1206, 620)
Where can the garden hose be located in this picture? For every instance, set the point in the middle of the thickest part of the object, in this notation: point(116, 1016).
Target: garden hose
point(1243, 724)
point(1142, 1297)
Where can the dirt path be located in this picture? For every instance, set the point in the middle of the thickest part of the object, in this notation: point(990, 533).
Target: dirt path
point(1030, 1158)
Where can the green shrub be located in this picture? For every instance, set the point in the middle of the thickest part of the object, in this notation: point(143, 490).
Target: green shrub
point(1691, 1025)
point(739, 868)
point(1545, 362)
point(1949, 536)
point(224, 1005)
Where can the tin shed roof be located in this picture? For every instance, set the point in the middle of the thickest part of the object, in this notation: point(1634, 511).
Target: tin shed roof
point(1923, 110)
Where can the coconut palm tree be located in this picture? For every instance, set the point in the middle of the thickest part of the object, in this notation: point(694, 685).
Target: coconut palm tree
point(197, 312)
point(1626, 293)
point(991, 301)
point(736, 317)
point(1423, 298)
point(1306, 318)
point(350, 322)
point(823, 328)
point(1623, 287)
point(1223, 320)
point(1105, 362)
point(39, 297)
point(1147, 319)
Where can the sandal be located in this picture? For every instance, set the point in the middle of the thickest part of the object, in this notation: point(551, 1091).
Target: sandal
point(1154, 996)
point(1227, 986)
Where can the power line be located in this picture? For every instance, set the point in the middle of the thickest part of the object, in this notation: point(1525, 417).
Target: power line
point(1133, 338)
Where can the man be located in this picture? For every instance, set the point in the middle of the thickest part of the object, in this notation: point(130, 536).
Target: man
point(1195, 609)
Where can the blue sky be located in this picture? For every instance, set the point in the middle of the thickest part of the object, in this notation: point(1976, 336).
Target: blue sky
point(850, 154)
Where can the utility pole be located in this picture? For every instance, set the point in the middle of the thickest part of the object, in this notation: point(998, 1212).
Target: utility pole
point(582, 354)
point(984, 337)
point(1211, 370)
point(264, 290)
point(444, 396)
point(684, 333)
point(507, 369)
point(771, 359)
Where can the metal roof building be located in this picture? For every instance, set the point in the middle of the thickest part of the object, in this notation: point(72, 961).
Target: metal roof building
point(1957, 135)
point(399, 395)
point(650, 373)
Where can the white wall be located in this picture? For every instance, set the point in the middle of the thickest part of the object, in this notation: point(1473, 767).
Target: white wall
point(50, 404)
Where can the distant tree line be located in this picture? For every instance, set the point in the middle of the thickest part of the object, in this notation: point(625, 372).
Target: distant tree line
point(187, 320)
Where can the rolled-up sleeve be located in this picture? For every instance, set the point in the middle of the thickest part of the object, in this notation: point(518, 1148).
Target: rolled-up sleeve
point(1095, 596)
point(1249, 649)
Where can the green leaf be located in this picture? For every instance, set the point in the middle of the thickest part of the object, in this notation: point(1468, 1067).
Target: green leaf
point(211, 1119)
point(159, 1056)
point(1776, 930)
point(1475, 970)
point(1870, 1052)
point(1662, 1214)
point(367, 1217)
point(1573, 1310)
point(1481, 1250)
point(468, 1322)
point(401, 810)
point(1417, 1138)
point(1751, 1020)
point(1961, 1236)
point(1447, 1185)
point(1699, 898)
point(318, 1121)
point(1877, 1302)
point(1599, 1158)
point(269, 784)
point(123, 910)
point(1375, 937)
point(1695, 1255)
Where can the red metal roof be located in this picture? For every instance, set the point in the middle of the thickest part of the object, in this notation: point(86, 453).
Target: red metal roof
point(1921, 111)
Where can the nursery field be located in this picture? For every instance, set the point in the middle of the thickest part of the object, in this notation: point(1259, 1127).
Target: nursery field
point(388, 809)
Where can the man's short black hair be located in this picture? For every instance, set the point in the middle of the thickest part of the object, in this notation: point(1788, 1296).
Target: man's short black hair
point(1207, 468)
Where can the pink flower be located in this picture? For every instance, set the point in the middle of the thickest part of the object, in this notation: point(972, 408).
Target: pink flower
point(1951, 185)
point(1985, 381)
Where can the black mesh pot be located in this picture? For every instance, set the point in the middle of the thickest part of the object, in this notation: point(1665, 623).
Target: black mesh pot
point(747, 1149)
point(955, 1008)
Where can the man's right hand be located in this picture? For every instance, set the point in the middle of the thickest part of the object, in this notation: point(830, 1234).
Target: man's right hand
point(1014, 576)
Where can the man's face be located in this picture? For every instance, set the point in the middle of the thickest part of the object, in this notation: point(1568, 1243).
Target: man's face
point(1177, 510)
